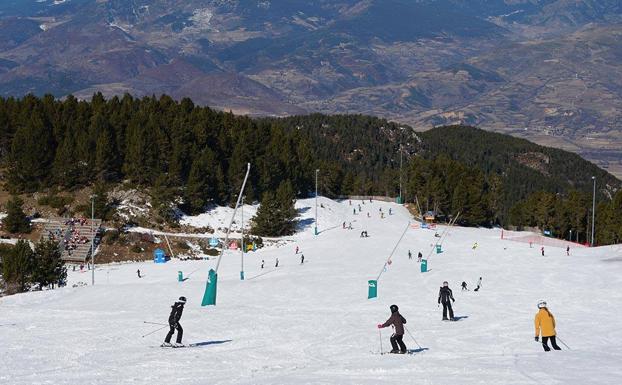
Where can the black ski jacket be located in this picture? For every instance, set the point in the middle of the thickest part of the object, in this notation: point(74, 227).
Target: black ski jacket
point(445, 294)
point(176, 311)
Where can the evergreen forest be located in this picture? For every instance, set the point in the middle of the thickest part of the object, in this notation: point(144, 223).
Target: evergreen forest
point(192, 156)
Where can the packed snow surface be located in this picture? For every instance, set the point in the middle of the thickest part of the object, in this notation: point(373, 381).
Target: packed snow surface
point(313, 323)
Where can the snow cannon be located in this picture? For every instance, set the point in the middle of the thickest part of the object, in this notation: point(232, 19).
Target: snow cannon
point(372, 291)
point(438, 249)
point(159, 256)
point(424, 265)
point(180, 276)
point(209, 297)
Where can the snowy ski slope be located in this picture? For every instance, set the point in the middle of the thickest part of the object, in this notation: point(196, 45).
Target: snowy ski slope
point(313, 323)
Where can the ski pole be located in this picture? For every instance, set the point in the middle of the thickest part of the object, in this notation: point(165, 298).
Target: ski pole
point(154, 323)
point(411, 336)
point(380, 335)
point(157, 330)
point(563, 343)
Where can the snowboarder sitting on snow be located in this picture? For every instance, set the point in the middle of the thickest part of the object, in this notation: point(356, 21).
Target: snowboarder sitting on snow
point(444, 296)
point(173, 322)
point(545, 324)
point(397, 321)
point(464, 286)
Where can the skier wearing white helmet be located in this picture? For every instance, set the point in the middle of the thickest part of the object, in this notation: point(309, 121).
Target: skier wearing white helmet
point(545, 325)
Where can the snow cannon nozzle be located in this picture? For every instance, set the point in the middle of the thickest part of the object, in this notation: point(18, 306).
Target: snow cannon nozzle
point(393, 308)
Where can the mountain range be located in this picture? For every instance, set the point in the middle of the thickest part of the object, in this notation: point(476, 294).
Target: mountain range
point(546, 70)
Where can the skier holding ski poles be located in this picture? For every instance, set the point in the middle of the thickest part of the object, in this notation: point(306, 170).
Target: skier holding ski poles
point(444, 296)
point(545, 325)
point(397, 321)
point(173, 322)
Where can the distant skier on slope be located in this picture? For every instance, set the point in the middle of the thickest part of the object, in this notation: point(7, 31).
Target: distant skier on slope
point(479, 284)
point(173, 322)
point(545, 325)
point(277, 263)
point(397, 321)
point(464, 286)
point(262, 263)
point(567, 250)
point(419, 257)
point(542, 250)
point(410, 255)
point(444, 296)
point(138, 272)
point(302, 259)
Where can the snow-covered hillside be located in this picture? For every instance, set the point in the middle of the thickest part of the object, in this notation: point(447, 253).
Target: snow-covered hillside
point(313, 323)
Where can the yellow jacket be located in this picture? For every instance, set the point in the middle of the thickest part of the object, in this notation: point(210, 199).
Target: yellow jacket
point(545, 322)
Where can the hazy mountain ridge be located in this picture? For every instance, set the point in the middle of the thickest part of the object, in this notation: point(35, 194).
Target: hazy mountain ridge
point(550, 66)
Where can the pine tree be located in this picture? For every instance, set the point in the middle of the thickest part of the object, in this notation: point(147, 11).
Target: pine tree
point(201, 183)
point(15, 220)
point(276, 214)
point(31, 155)
point(286, 198)
point(106, 158)
point(49, 268)
point(17, 267)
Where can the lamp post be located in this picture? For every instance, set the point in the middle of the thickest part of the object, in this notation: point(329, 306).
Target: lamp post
point(593, 209)
point(92, 240)
point(401, 174)
point(242, 243)
point(316, 172)
point(401, 132)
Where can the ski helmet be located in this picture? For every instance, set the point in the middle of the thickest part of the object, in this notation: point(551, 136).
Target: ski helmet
point(393, 308)
point(541, 304)
point(182, 299)
point(445, 283)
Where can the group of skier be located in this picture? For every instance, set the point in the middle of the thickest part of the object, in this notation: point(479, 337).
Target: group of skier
point(544, 320)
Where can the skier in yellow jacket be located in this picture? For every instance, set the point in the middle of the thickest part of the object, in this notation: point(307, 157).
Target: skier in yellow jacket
point(545, 325)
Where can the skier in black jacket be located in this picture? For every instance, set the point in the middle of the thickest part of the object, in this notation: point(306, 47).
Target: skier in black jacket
point(173, 321)
point(444, 296)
